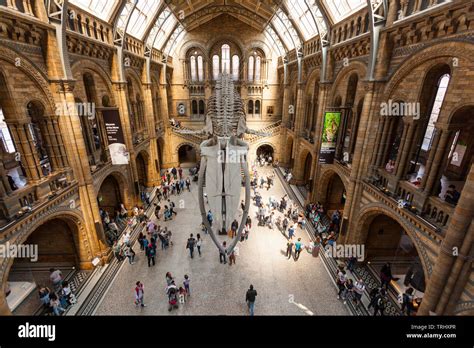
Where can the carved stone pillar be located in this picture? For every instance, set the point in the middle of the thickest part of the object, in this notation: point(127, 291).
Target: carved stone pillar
point(438, 159)
point(381, 142)
point(403, 155)
point(24, 143)
point(453, 240)
point(429, 162)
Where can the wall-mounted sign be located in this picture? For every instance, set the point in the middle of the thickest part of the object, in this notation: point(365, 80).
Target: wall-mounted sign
point(332, 120)
point(116, 140)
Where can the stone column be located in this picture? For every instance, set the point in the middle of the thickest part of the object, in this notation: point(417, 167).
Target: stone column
point(407, 146)
point(28, 159)
point(4, 184)
point(378, 138)
point(364, 145)
point(59, 141)
point(459, 277)
point(437, 161)
point(381, 142)
point(4, 309)
point(386, 144)
point(153, 175)
point(74, 143)
point(453, 240)
point(429, 162)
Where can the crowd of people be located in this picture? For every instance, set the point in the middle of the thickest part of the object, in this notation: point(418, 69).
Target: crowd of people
point(57, 299)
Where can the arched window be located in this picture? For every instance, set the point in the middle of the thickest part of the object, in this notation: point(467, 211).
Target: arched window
point(438, 102)
point(226, 59)
point(235, 67)
point(257, 107)
point(250, 107)
point(200, 68)
point(257, 68)
point(194, 107)
point(193, 68)
point(201, 107)
point(251, 64)
point(215, 66)
point(5, 135)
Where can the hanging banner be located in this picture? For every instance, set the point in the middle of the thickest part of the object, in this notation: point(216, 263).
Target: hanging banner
point(115, 137)
point(332, 121)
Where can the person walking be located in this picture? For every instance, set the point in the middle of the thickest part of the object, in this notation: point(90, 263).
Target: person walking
point(232, 258)
point(359, 288)
point(289, 249)
point(222, 257)
point(234, 226)
point(188, 184)
point(151, 252)
point(199, 243)
point(291, 232)
point(130, 254)
point(250, 299)
point(209, 217)
point(380, 302)
point(341, 282)
point(186, 285)
point(298, 248)
point(139, 294)
point(191, 243)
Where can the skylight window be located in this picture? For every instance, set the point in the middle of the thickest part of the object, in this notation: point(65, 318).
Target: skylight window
point(340, 9)
point(165, 32)
point(100, 8)
point(141, 17)
point(283, 26)
point(303, 18)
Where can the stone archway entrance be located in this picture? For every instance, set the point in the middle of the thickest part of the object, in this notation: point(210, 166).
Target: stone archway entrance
point(266, 153)
point(54, 244)
point(110, 195)
point(142, 169)
point(387, 241)
point(187, 155)
point(334, 193)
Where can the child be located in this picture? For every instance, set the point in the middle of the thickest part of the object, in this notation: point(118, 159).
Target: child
point(186, 284)
point(182, 295)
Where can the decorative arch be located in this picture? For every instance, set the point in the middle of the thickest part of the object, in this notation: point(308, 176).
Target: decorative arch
point(31, 70)
point(432, 53)
point(84, 65)
point(326, 175)
point(357, 67)
point(73, 216)
point(372, 210)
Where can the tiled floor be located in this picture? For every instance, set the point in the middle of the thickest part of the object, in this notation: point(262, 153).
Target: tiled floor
point(284, 287)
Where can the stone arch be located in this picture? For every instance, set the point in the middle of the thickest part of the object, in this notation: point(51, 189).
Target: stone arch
point(372, 210)
point(355, 67)
point(222, 39)
point(84, 66)
point(142, 161)
point(31, 70)
point(126, 192)
point(161, 150)
point(193, 156)
point(186, 47)
point(326, 188)
point(73, 216)
point(260, 45)
point(135, 78)
point(432, 53)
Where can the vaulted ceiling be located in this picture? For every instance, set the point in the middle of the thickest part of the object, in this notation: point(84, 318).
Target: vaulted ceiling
point(162, 23)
